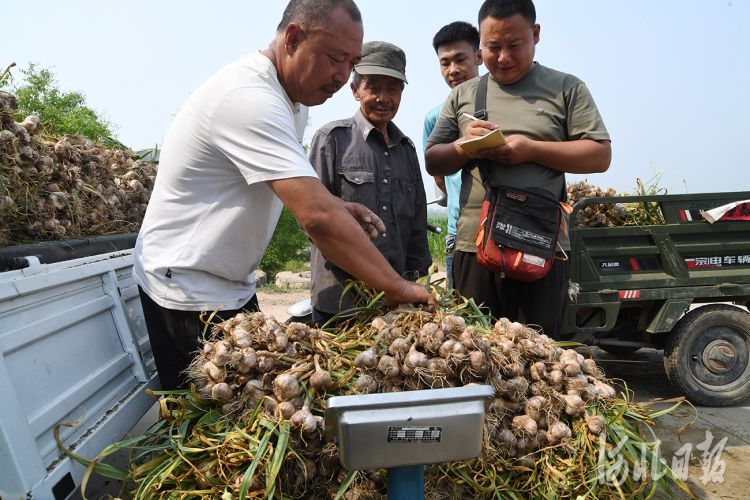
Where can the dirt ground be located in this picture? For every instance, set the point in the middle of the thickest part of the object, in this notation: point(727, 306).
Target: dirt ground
point(719, 469)
point(724, 472)
point(276, 303)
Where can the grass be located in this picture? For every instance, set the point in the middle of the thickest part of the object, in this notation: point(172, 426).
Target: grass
point(298, 265)
point(437, 241)
point(272, 287)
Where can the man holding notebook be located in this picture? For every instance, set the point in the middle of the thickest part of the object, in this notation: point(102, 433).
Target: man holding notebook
point(551, 126)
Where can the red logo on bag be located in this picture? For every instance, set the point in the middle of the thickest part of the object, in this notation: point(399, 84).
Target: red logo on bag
point(515, 196)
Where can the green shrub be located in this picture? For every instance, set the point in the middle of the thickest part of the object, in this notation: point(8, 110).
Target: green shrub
point(39, 94)
point(300, 264)
point(287, 242)
point(437, 241)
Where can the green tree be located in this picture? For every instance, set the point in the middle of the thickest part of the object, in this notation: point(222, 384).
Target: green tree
point(67, 113)
point(286, 243)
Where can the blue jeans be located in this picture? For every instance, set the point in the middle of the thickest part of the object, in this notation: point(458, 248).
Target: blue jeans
point(450, 245)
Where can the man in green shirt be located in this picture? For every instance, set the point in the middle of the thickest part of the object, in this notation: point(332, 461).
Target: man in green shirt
point(552, 126)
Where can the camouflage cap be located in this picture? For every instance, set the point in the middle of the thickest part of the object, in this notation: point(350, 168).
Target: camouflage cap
point(382, 58)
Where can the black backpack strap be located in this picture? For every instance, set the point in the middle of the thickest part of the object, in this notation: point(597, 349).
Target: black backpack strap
point(480, 100)
point(480, 111)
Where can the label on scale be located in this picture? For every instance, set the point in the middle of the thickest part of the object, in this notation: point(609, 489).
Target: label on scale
point(414, 434)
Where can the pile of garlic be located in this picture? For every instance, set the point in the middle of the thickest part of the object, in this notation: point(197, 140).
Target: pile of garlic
point(596, 215)
point(62, 188)
point(252, 361)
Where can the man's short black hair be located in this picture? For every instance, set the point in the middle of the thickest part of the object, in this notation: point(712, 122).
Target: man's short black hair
point(312, 12)
point(459, 30)
point(500, 9)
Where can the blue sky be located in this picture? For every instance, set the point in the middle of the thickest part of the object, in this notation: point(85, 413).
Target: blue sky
point(669, 77)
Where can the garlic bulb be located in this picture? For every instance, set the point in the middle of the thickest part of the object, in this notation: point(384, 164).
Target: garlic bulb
point(366, 384)
point(589, 367)
point(430, 337)
point(297, 331)
point(320, 380)
point(222, 353)
point(524, 425)
point(478, 361)
point(304, 419)
point(453, 325)
point(538, 370)
point(573, 404)
point(286, 408)
point(62, 149)
point(214, 372)
point(595, 423)
point(285, 387)
point(248, 360)
point(415, 359)
point(557, 432)
point(399, 347)
point(535, 407)
point(241, 338)
point(222, 393)
point(32, 124)
point(366, 359)
point(389, 367)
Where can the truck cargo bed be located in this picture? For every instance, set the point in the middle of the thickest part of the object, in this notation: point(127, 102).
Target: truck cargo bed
point(73, 348)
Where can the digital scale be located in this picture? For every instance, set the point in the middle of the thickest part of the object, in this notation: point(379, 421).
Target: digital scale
point(404, 431)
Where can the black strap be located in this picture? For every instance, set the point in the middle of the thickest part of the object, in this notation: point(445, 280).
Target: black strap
point(480, 112)
point(480, 100)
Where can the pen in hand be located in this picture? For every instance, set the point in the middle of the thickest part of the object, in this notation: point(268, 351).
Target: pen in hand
point(474, 118)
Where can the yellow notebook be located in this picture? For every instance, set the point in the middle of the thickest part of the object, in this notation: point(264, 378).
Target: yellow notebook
point(491, 140)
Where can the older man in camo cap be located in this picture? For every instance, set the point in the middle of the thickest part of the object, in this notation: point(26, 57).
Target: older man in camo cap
point(367, 159)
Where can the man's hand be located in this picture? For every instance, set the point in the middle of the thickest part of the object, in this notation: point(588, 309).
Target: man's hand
point(412, 293)
point(517, 149)
point(478, 128)
point(368, 221)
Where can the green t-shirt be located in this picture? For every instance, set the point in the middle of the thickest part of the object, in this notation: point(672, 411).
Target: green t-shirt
point(544, 105)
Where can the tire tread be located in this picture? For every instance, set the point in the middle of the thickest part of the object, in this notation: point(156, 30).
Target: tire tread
point(672, 354)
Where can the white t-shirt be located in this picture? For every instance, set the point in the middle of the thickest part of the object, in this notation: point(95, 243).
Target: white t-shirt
point(211, 215)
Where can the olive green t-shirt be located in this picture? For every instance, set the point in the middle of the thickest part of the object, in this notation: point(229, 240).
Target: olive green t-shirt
point(544, 105)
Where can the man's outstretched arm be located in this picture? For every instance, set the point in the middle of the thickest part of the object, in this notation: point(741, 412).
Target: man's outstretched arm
point(340, 237)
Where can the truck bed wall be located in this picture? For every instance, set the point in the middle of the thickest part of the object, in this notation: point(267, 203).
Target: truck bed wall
point(675, 264)
point(73, 348)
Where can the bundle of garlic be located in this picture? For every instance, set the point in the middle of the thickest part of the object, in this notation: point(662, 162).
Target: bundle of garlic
point(252, 425)
point(614, 214)
point(62, 188)
point(594, 215)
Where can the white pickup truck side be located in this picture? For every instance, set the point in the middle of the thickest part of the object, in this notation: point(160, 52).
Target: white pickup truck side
point(73, 346)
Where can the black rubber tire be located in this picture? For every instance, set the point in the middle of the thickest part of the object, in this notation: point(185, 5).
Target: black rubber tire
point(707, 355)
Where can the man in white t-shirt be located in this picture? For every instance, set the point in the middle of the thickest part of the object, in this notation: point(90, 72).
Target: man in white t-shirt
point(231, 159)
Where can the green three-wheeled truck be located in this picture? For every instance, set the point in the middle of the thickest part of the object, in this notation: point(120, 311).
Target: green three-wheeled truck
point(683, 287)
